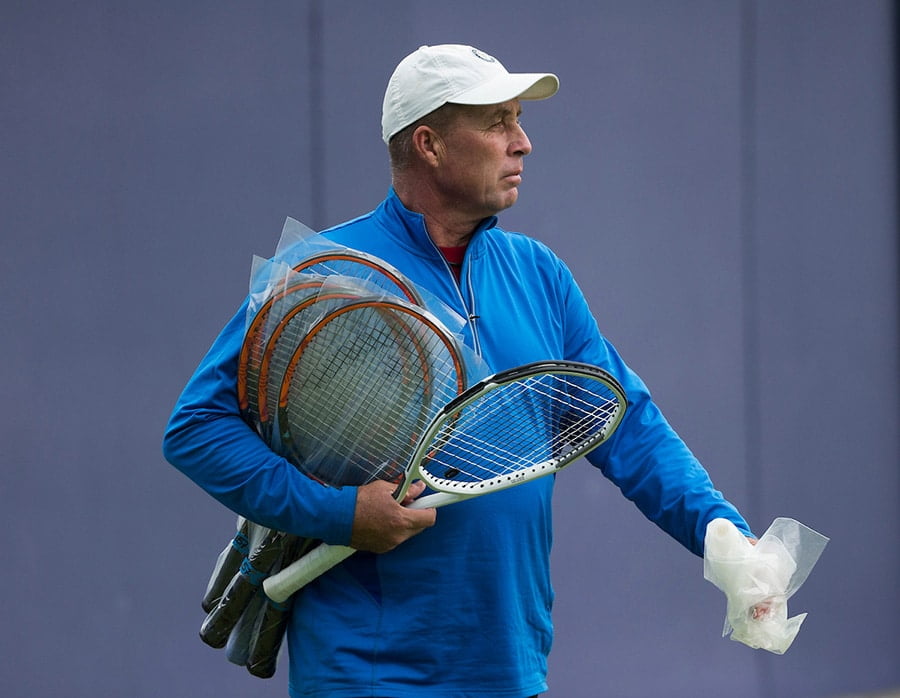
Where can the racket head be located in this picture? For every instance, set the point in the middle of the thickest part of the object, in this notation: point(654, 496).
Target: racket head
point(304, 250)
point(257, 335)
point(344, 261)
point(287, 330)
point(516, 426)
point(361, 388)
point(278, 317)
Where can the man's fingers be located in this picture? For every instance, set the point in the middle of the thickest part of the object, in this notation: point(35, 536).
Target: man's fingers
point(423, 518)
point(413, 493)
point(381, 523)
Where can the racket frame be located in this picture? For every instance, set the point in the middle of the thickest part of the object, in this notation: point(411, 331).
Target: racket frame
point(280, 586)
point(449, 491)
point(401, 317)
point(365, 260)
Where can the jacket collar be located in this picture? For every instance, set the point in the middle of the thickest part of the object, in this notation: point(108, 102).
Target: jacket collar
point(414, 230)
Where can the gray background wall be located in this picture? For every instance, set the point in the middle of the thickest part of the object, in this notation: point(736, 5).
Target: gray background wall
point(720, 174)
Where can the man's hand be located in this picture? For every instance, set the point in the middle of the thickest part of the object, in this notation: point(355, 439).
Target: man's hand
point(381, 523)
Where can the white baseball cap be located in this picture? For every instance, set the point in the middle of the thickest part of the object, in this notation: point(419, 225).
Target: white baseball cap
point(432, 76)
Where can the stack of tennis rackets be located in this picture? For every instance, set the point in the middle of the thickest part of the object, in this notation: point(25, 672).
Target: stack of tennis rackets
point(348, 375)
point(341, 370)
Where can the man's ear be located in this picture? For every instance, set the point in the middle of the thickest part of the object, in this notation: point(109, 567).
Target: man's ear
point(428, 145)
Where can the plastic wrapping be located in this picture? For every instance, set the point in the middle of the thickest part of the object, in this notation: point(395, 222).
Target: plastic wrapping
point(341, 373)
point(759, 579)
point(368, 378)
point(240, 617)
point(239, 594)
point(227, 565)
point(351, 427)
point(303, 250)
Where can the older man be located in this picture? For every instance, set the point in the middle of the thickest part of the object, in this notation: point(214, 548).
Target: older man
point(456, 603)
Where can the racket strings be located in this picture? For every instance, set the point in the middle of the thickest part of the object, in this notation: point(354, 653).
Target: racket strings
point(286, 334)
point(361, 389)
point(253, 364)
point(517, 426)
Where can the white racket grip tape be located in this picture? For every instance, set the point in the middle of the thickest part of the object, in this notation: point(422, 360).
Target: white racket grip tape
point(438, 499)
point(298, 574)
point(319, 560)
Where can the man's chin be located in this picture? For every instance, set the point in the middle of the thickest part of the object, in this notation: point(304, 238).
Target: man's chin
point(511, 197)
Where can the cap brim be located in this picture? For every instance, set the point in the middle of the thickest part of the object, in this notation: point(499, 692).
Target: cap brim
point(510, 86)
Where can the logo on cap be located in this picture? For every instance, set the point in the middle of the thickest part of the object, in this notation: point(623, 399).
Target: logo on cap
point(483, 56)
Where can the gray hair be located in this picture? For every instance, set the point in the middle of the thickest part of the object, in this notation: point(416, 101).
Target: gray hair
point(400, 147)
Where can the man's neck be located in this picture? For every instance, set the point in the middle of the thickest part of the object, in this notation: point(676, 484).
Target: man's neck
point(446, 226)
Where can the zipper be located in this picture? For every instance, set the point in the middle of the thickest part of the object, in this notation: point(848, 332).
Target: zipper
point(470, 315)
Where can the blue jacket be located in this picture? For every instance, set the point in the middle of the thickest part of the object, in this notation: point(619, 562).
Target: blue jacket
point(474, 591)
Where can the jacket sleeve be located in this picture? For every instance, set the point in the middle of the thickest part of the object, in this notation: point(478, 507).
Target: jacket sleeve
point(207, 440)
point(645, 458)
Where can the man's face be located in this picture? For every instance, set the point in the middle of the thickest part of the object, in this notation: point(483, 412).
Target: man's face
point(481, 169)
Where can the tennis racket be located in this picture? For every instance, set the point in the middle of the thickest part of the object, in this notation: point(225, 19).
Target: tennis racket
point(268, 633)
point(511, 428)
point(289, 328)
point(283, 307)
point(240, 591)
point(361, 388)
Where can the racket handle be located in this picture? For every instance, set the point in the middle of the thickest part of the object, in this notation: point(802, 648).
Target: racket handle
point(297, 575)
point(263, 654)
point(318, 561)
point(240, 591)
point(227, 565)
point(438, 499)
point(225, 615)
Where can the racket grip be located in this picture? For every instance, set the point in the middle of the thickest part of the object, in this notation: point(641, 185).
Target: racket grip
point(438, 499)
point(228, 564)
point(263, 659)
point(240, 592)
point(297, 575)
point(225, 615)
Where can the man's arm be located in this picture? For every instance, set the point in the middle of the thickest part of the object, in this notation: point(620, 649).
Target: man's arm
point(646, 458)
point(207, 440)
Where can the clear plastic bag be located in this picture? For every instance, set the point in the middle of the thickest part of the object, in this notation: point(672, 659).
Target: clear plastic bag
point(759, 579)
point(345, 360)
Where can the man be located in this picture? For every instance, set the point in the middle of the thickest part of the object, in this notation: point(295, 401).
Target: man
point(456, 603)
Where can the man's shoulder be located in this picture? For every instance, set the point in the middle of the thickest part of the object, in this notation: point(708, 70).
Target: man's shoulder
point(518, 242)
point(352, 224)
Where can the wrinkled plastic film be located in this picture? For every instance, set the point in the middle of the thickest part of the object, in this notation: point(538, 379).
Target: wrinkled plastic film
point(227, 565)
point(362, 387)
point(287, 328)
point(306, 251)
point(345, 394)
point(294, 236)
point(758, 580)
point(309, 278)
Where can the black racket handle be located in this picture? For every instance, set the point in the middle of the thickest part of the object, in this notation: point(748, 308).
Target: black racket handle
point(225, 615)
point(240, 591)
point(263, 656)
point(231, 565)
point(267, 641)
